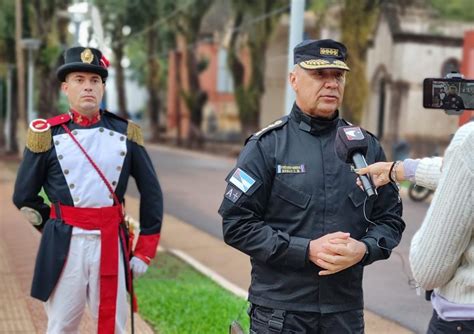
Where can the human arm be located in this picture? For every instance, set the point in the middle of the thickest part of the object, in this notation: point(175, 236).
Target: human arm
point(438, 246)
point(424, 172)
point(151, 203)
point(386, 225)
point(30, 179)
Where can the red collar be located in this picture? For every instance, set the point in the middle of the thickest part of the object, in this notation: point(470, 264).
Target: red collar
point(83, 120)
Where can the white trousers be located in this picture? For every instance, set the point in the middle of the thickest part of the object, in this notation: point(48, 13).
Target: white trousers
point(79, 284)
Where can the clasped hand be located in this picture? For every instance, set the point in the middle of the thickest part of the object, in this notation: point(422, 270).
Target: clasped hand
point(335, 252)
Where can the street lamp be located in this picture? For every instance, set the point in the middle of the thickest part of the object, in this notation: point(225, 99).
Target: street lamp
point(31, 44)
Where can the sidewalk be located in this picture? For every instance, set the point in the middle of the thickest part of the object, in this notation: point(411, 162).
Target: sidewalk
point(19, 313)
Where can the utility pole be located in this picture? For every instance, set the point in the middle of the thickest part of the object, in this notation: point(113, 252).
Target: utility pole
point(295, 36)
point(20, 68)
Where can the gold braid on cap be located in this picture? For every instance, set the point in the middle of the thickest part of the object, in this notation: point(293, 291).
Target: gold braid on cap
point(134, 133)
point(38, 137)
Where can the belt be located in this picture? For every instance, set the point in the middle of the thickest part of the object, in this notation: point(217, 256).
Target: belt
point(107, 220)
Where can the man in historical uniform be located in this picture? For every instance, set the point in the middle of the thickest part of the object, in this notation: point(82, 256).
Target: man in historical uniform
point(294, 208)
point(83, 160)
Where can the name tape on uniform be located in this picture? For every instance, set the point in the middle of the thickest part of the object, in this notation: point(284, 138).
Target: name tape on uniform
point(242, 180)
point(291, 169)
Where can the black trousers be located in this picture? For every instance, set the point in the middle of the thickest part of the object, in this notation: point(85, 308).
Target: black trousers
point(265, 320)
point(440, 326)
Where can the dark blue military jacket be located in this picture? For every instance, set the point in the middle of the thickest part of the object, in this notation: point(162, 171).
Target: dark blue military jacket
point(288, 188)
point(67, 177)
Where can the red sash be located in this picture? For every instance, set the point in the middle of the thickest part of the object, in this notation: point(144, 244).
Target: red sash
point(107, 220)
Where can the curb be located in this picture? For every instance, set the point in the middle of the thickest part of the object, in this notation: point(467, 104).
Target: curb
point(217, 278)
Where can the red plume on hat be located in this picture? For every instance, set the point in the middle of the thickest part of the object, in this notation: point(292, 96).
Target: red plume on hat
point(104, 62)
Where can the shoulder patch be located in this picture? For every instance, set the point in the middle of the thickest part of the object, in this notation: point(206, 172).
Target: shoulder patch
point(275, 125)
point(39, 138)
point(134, 133)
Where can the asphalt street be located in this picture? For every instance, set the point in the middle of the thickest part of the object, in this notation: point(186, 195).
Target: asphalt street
point(193, 184)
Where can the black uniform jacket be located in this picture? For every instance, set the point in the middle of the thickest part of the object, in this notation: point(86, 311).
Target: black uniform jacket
point(288, 188)
point(67, 177)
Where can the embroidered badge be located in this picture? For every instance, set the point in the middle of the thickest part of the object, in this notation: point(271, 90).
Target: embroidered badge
point(232, 193)
point(291, 169)
point(329, 52)
point(242, 180)
point(87, 56)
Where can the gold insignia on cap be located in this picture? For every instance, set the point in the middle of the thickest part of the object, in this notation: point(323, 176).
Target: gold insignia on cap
point(316, 62)
point(328, 52)
point(87, 56)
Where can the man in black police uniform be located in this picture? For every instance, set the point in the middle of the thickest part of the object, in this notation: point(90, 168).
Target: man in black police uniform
point(83, 255)
point(453, 101)
point(294, 208)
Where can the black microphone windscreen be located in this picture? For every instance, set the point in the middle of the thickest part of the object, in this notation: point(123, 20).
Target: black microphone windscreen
point(350, 139)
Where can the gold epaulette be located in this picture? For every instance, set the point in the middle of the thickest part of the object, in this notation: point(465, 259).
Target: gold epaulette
point(39, 138)
point(134, 133)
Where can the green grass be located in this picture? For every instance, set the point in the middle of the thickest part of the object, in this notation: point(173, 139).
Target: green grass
point(176, 299)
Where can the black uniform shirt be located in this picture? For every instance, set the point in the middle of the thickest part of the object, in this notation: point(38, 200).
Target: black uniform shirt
point(288, 188)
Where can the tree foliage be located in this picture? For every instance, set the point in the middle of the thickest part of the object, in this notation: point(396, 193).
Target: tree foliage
point(253, 24)
point(48, 25)
point(147, 47)
point(457, 10)
point(114, 17)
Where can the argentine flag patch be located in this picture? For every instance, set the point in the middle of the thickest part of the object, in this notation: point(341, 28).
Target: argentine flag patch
point(242, 180)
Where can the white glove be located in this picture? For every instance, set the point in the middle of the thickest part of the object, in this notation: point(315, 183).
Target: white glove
point(138, 267)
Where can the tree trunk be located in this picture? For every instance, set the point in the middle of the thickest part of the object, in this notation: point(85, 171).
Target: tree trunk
point(153, 85)
point(195, 99)
point(49, 88)
point(120, 80)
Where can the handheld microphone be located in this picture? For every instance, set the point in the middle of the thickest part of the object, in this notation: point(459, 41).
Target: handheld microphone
point(351, 145)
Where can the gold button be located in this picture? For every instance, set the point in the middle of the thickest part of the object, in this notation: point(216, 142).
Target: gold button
point(111, 133)
point(122, 138)
point(119, 168)
point(66, 171)
point(71, 186)
point(122, 153)
point(60, 157)
point(101, 129)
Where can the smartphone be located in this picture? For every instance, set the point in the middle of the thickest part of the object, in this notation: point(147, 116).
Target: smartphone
point(449, 94)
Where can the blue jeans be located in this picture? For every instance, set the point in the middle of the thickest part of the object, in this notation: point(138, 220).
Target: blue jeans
point(440, 326)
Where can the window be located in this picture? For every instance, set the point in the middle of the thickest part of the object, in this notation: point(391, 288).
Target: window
point(225, 83)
